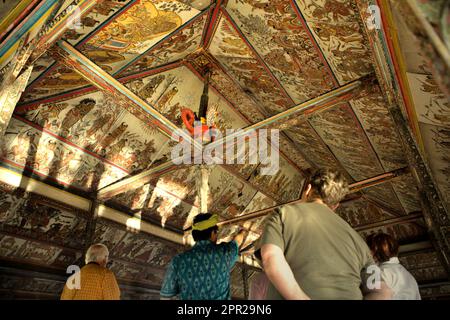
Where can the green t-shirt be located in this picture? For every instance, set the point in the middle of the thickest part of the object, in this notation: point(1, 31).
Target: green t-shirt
point(325, 254)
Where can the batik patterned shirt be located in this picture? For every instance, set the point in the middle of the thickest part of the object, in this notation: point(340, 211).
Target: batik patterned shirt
point(202, 273)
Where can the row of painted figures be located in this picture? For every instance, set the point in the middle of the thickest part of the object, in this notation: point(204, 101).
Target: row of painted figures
point(306, 250)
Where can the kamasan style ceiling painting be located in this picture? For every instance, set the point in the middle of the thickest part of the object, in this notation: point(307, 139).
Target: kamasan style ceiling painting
point(86, 146)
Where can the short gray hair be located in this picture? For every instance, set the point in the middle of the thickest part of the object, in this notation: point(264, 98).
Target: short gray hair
point(96, 253)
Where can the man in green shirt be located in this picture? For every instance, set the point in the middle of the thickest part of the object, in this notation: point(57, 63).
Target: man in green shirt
point(309, 252)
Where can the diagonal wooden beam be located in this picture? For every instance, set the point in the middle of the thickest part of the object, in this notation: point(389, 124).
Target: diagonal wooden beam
point(256, 54)
point(33, 105)
point(256, 103)
point(415, 247)
point(59, 25)
point(137, 181)
point(125, 97)
point(320, 103)
point(36, 19)
point(412, 217)
point(232, 107)
point(354, 187)
point(212, 24)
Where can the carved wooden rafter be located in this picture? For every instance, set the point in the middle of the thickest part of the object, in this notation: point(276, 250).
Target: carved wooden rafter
point(436, 215)
point(212, 23)
point(433, 208)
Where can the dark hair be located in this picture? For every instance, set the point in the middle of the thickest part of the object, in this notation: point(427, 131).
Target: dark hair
point(87, 100)
point(383, 246)
point(328, 185)
point(203, 234)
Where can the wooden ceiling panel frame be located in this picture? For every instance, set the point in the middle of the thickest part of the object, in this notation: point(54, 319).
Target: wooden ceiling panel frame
point(165, 39)
point(212, 24)
point(54, 65)
point(258, 57)
point(319, 51)
point(33, 105)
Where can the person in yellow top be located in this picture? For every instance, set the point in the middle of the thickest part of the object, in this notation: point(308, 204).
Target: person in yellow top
point(94, 281)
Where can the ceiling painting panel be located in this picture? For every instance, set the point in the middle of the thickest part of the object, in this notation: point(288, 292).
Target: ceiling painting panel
point(277, 34)
point(59, 79)
point(245, 107)
point(175, 48)
point(145, 250)
point(31, 216)
point(284, 185)
point(116, 44)
point(233, 53)
point(88, 24)
point(26, 146)
point(432, 106)
point(336, 27)
point(311, 145)
point(126, 37)
point(17, 249)
point(95, 174)
point(259, 202)
point(341, 131)
point(403, 233)
point(360, 212)
point(384, 194)
point(406, 189)
point(96, 123)
point(32, 285)
point(373, 114)
point(169, 92)
point(424, 266)
point(229, 88)
point(436, 140)
point(168, 200)
point(230, 196)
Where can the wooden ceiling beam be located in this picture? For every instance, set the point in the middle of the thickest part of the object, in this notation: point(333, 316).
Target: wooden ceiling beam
point(354, 187)
point(412, 217)
point(212, 24)
point(33, 105)
point(60, 24)
point(320, 103)
point(137, 181)
point(415, 248)
point(75, 60)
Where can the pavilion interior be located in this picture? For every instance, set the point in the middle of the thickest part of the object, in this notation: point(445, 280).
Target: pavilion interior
point(89, 106)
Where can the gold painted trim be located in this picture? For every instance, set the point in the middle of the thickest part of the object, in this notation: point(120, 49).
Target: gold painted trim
point(13, 14)
point(410, 105)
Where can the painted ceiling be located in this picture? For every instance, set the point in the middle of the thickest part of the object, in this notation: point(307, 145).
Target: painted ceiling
point(265, 57)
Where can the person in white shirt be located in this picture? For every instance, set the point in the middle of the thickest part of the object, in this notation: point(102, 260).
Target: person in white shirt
point(385, 252)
